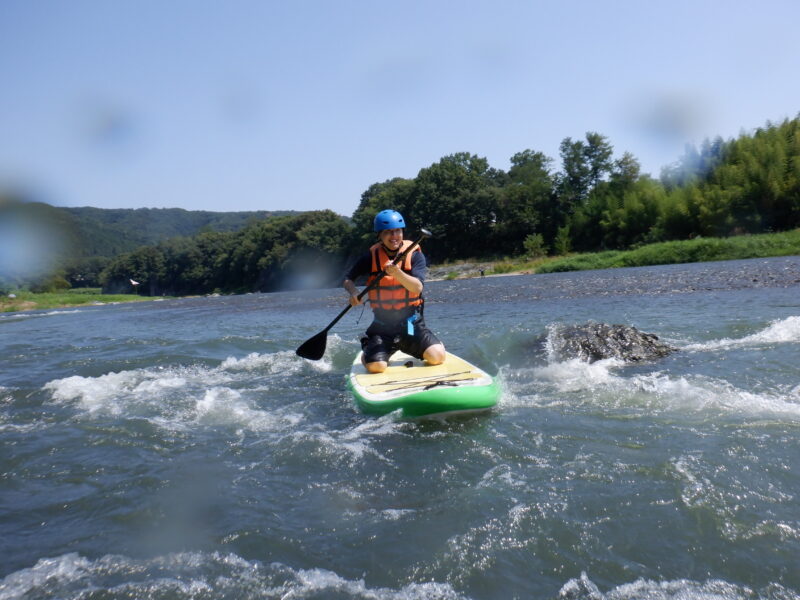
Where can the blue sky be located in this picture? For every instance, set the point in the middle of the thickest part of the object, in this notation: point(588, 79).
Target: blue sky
point(303, 105)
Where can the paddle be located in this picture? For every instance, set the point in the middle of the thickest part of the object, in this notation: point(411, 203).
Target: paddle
point(313, 348)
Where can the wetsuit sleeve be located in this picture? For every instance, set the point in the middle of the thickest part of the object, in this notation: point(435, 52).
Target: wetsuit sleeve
point(360, 268)
point(419, 266)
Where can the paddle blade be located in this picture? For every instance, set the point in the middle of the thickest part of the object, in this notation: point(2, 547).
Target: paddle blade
point(313, 348)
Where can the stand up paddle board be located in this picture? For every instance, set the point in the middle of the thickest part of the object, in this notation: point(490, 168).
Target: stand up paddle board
point(420, 389)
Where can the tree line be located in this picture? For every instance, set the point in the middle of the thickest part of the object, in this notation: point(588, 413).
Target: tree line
point(592, 201)
point(596, 201)
point(285, 252)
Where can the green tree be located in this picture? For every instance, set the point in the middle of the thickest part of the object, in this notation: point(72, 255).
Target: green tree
point(598, 153)
point(575, 179)
point(534, 246)
point(525, 203)
point(146, 265)
point(85, 272)
point(395, 194)
point(632, 220)
point(457, 200)
point(562, 244)
point(52, 282)
point(276, 253)
point(586, 222)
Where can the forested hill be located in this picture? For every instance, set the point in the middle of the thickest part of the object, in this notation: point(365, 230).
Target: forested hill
point(102, 232)
point(80, 242)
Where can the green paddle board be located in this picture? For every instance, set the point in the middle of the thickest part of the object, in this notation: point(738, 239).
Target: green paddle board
point(420, 389)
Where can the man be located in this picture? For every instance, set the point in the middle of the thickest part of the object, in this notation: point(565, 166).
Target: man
point(396, 300)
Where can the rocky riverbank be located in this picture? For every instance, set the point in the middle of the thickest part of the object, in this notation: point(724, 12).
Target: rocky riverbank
point(465, 271)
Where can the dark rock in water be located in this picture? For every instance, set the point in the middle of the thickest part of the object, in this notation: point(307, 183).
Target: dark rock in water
point(596, 341)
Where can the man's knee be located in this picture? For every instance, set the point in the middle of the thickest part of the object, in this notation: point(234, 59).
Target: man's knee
point(376, 367)
point(435, 355)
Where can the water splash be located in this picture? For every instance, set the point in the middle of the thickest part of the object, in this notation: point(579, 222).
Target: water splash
point(190, 575)
point(351, 445)
point(179, 397)
point(605, 384)
point(23, 315)
point(731, 497)
point(781, 331)
point(584, 588)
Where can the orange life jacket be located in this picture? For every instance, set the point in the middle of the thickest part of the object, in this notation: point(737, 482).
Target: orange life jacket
point(389, 294)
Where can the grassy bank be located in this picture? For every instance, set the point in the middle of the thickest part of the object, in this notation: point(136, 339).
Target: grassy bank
point(689, 251)
point(664, 253)
point(77, 297)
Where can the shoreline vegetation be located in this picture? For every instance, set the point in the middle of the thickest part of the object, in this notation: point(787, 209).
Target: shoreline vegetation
point(765, 245)
point(22, 300)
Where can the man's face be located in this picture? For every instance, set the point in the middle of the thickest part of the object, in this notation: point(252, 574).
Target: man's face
point(392, 238)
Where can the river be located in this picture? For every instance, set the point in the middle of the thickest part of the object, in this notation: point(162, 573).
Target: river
point(180, 449)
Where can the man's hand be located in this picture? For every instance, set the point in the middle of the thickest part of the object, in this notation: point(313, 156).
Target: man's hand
point(354, 301)
point(412, 284)
point(391, 269)
point(351, 289)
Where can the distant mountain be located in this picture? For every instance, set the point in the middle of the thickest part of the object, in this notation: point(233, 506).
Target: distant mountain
point(80, 242)
point(113, 231)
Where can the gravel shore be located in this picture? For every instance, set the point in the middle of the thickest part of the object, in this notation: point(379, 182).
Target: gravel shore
point(461, 270)
point(734, 274)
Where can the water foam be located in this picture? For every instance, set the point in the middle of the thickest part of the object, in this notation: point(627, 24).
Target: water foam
point(196, 574)
point(6, 419)
point(723, 492)
point(23, 315)
point(556, 383)
point(682, 589)
point(352, 444)
point(179, 397)
point(707, 394)
point(226, 407)
point(284, 362)
point(576, 374)
point(781, 331)
point(602, 384)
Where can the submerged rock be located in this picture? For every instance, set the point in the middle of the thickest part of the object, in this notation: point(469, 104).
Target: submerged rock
point(596, 341)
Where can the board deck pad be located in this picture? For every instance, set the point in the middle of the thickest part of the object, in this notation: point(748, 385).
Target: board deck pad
point(419, 388)
point(418, 376)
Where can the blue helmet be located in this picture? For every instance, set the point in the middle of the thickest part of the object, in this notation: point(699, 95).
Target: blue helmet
point(388, 219)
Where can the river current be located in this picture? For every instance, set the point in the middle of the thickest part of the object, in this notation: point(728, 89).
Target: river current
point(179, 448)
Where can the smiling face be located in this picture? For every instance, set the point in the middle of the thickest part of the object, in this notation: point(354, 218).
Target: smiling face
point(391, 239)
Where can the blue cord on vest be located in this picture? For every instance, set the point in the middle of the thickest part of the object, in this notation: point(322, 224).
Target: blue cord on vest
point(410, 323)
